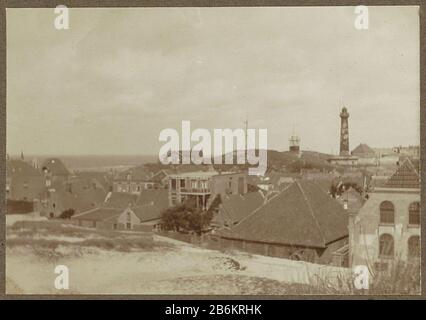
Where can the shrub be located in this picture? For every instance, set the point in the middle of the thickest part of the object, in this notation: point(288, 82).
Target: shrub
point(67, 214)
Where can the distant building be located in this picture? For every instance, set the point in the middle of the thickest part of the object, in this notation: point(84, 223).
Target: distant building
point(23, 181)
point(203, 186)
point(273, 180)
point(344, 158)
point(410, 151)
point(54, 169)
point(137, 179)
point(363, 151)
point(61, 196)
point(141, 218)
point(294, 143)
point(366, 155)
point(302, 222)
point(386, 229)
point(391, 156)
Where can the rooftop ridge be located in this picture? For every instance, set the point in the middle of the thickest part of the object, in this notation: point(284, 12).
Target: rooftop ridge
point(263, 204)
point(311, 210)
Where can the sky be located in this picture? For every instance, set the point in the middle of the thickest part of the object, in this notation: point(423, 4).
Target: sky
point(118, 76)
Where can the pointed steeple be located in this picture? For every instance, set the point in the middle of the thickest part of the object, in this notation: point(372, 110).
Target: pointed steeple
point(22, 155)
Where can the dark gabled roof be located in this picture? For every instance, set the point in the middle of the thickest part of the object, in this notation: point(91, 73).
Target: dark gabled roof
point(159, 197)
point(303, 214)
point(16, 167)
point(406, 176)
point(236, 207)
point(55, 166)
point(80, 200)
point(147, 212)
point(120, 200)
point(363, 149)
point(98, 214)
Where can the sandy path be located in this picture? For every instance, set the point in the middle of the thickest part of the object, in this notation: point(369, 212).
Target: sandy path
point(101, 271)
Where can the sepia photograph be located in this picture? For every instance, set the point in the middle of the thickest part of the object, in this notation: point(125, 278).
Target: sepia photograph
point(213, 151)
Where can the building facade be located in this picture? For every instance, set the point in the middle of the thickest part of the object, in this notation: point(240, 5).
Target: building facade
point(137, 179)
point(202, 186)
point(386, 230)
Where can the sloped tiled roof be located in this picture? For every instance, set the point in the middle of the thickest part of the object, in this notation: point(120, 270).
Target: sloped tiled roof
point(120, 200)
point(147, 212)
point(236, 207)
point(16, 167)
point(80, 201)
point(159, 197)
point(303, 214)
point(406, 176)
point(98, 214)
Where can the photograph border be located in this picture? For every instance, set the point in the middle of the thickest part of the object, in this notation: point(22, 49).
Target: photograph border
point(200, 3)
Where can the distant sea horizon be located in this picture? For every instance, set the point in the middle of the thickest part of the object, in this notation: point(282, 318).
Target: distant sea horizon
point(92, 162)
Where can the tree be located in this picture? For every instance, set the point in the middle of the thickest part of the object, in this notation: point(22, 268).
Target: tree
point(185, 217)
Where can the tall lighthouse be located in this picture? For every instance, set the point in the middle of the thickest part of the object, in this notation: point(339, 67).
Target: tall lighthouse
point(344, 132)
point(344, 158)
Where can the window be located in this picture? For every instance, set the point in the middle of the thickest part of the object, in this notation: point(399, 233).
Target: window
point(387, 212)
point(414, 247)
point(115, 226)
point(173, 184)
point(128, 217)
point(182, 183)
point(128, 226)
point(414, 213)
point(386, 246)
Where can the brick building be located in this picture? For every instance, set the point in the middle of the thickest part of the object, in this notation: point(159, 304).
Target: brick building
point(387, 228)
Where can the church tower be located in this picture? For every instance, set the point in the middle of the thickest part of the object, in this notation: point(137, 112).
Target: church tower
point(344, 132)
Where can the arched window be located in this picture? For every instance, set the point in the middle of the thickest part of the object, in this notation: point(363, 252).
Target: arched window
point(387, 212)
point(414, 247)
point(414, 213)
point(386, 247)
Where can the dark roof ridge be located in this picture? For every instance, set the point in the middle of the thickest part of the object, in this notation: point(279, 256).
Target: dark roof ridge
point(311, 210)
point(263, 204)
